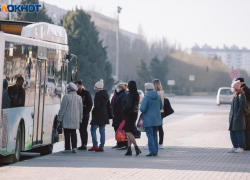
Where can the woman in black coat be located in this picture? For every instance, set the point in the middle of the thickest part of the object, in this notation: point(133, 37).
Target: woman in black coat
point(118, 112)
point(100, 116)
point(130, 110)
point(237, 119)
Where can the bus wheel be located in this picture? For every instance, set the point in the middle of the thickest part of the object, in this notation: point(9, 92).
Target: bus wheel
point(16, 156)
point(46, 150)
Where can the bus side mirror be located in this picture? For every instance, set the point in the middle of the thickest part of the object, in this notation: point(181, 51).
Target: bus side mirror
point(74, 73)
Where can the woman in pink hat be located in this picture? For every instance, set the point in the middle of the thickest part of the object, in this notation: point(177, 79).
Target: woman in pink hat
point(237, 119)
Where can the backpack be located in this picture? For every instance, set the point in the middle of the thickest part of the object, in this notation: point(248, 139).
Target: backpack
point(168, 110)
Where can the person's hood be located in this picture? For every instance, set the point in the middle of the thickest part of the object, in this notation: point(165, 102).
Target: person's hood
point(104, 94)
point(152, 95)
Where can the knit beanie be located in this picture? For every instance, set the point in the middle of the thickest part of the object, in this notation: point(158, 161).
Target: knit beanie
point(72, 86)
point(236, 85)
point(149, 86)
point(99, 84)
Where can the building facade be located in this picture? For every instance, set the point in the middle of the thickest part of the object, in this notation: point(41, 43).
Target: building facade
point(233, 57)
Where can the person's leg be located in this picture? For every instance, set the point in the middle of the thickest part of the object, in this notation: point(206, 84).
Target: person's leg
point(247, 133)
point(155, 129)
point(161, 134)
point(240, 138)
point(73, 138)
point(93, 134)
point(233, 139)
point(151, 143)
point(81, 131)
point(67, 139)
point(131, 138)
point(102, 138)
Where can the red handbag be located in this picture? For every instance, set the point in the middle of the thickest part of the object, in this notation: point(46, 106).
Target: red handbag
point(120, 135)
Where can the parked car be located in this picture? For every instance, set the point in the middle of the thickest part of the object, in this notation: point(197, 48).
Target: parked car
point(141, 93)
point(224, 96)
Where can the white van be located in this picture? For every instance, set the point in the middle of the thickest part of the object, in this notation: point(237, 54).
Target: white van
point(224, 96)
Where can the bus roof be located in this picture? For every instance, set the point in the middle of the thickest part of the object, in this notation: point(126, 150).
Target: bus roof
point(41, 31)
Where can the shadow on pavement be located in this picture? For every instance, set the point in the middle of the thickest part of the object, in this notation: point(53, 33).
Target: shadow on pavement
point(177, 158)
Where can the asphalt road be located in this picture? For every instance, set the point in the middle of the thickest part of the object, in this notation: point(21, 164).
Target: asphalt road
point(185, 107)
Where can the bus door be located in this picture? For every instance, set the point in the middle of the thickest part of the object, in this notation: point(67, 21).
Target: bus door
point(39, 101)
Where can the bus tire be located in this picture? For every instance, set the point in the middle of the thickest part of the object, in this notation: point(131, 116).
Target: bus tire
point(46, 150)
point(16, 156)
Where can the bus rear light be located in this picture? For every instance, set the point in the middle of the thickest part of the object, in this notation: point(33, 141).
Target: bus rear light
point(14, 138)
point(4, 141)
point(30, 135)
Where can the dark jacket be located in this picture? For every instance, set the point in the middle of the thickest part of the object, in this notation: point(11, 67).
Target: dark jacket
point(130, 105)
point(87, 104)
point(100, 111)
point(17, 96)
point(246, 89)
point(236, 116)
point(118, 108)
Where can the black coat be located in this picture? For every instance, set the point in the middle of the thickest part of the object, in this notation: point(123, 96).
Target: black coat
point(130, 105)
point(118, 108)
point(87, 104)
point(246, 89)
point(236, 116)
point(100, 115)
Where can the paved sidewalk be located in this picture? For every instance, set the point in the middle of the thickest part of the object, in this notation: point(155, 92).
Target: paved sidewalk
point(195, 148)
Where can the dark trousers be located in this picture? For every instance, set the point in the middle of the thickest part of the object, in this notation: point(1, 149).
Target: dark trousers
point(84, 133)
point(247, 133)
point(237, 138)
point(120, 144)
point(161, 132)
point(70, 134)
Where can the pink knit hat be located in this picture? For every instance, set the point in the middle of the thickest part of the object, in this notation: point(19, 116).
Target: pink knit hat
point(236, 85)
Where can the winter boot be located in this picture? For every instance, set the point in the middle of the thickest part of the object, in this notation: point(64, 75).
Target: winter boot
point(129, 152)
point(137, 150)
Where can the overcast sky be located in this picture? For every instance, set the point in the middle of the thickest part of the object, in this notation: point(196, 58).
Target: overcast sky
point(214, 22)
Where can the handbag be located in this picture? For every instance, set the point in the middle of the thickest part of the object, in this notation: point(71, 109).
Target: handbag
point(168, 110)
point(120, 135)
point(140, 124)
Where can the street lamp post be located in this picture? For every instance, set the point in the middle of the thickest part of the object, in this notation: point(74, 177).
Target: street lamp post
point(117, 43)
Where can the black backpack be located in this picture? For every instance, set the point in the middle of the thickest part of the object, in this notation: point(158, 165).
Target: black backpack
point(168, 110)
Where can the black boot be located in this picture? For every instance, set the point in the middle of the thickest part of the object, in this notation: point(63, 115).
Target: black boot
point(129, 152)
point(137, 150)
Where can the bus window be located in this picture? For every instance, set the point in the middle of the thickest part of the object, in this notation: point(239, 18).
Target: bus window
point(19, 70)
point(5, 96)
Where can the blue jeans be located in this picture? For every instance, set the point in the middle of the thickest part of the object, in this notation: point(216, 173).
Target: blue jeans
point(94, 138)
point(237, 138)
point(152, 139)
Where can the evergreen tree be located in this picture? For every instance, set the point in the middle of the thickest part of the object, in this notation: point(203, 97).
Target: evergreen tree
point(159, 69)
point(144, 75)
point(41, 16)
point(92, 56)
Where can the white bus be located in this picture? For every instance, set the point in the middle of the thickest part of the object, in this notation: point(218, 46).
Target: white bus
point(33, 61)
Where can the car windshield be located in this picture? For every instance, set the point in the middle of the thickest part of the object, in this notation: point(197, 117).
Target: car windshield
point(226, 92)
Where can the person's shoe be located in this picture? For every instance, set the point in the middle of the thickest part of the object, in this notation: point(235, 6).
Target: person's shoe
point(160, 146)
point(145, 147)
point(115, 147)
point(122, 148)
point(99, 150)
point(74, 150)
point(82, 148)
point(149, 155)
point(232, 150)
point(137, 150)
point(93, 148)
point(129, 152)
point(239, 150)
point(66, 151)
